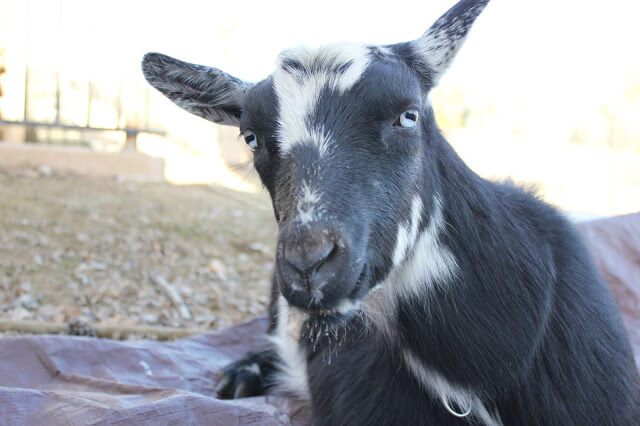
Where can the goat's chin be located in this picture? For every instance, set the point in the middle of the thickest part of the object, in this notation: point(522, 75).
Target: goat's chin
point(325, 325)
point(327, 321)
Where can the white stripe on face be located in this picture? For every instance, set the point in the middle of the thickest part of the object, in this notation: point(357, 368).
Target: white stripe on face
point(408, 232)
point(422, 265)
point(308, 207)
point(335, 67)
point(429, 262)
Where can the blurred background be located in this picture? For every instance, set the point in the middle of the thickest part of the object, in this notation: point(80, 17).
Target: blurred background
point(117, 207)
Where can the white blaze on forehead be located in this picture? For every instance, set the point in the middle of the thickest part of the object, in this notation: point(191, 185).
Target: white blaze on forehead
point(301, 75)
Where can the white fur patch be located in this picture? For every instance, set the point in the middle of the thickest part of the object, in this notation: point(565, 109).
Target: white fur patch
point(252, 368)
point(428, 263)
point(346, 306)
point(385, 50)
point(292, 376)
point(407, 232)
point(308, 208)
point(326, 60)
point(337, 67)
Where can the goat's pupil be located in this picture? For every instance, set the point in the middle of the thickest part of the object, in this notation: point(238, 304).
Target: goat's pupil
point(251, 139)
point(407, 119)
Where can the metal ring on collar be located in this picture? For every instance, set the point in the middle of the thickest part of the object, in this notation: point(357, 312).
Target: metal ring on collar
point(445, 402)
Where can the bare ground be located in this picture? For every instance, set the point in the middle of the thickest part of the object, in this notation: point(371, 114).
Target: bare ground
point(107, 251)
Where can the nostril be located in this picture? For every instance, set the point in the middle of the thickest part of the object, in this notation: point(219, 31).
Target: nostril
point(309, 254)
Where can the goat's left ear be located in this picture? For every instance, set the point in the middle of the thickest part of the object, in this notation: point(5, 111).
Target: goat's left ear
point(204, 91)
point(432, 53)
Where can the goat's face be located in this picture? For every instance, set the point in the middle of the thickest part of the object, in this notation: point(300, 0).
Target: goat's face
point(337, 142)
point(340, 140)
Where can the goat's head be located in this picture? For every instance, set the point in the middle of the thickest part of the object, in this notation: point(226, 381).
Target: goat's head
point(340, 139)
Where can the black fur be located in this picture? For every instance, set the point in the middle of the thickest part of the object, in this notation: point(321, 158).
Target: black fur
point(517, 319)
point(529, 324)
point(239, 379)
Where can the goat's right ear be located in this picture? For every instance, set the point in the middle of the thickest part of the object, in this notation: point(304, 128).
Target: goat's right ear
point(204, 91)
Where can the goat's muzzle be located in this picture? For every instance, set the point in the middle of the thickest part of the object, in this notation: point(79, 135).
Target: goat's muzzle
point(315, 265)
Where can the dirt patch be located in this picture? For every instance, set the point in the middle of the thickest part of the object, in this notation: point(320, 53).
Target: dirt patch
point(119, 252)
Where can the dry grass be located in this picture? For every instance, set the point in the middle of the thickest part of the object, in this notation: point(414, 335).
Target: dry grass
point(87, 248)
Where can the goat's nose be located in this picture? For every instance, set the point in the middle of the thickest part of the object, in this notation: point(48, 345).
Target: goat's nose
point(312, 263)
point(310, 251)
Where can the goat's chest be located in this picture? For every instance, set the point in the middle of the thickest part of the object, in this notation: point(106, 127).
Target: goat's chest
point(358, 381)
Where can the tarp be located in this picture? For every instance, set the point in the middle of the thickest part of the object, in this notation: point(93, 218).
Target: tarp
point(65, 380)
point(615, 246)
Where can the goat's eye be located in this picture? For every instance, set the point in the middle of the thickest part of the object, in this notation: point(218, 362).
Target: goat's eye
point(407, 119)
point(251, 139)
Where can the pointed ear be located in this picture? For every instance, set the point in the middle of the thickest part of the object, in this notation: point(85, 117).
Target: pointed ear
point(204, 91)
point(432, 53)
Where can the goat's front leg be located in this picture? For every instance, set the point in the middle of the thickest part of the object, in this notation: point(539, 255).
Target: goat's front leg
point(252, 374)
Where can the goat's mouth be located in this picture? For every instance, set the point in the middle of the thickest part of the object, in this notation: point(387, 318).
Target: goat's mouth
point(328, 321)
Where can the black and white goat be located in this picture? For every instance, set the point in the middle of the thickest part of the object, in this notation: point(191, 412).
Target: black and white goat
point(427, 295)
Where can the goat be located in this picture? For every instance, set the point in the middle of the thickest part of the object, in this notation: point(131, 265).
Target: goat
point(425, 294)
